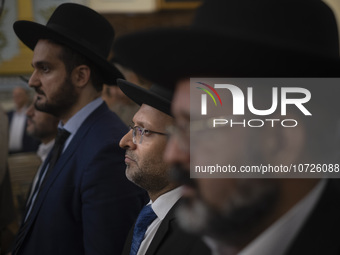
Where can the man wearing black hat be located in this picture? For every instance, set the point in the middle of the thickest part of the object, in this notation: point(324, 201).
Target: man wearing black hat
point(243, 38)
point(82, 203)
point(145, 144)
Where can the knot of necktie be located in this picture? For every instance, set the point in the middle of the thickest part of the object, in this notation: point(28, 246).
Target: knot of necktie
point(62, 136)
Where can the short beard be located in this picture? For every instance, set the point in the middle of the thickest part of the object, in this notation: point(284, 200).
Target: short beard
point(241, 216)
point(149, 182)
point(151, 178)
point(63, 101)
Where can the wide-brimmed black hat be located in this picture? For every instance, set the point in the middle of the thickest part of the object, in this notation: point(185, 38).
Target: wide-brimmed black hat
point(158, 97)
point(78, 27)
point(238, 38)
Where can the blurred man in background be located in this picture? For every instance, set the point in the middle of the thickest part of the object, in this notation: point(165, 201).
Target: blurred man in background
point(44, 127)
point(119, 103)
point(19, 140)
point(7, 212)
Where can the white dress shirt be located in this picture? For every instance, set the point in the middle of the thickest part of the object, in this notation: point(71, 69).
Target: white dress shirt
point(161, 206)
point(17, 130)
point(44, 149)
point(74, 123)
point(277, 238)
point(42, 152)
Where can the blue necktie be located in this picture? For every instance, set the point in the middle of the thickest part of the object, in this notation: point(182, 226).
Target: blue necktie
point(145, 217)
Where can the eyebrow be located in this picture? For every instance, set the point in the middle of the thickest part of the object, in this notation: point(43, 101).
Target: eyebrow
point(39, 64)
point(138, 123)
point(141, 123)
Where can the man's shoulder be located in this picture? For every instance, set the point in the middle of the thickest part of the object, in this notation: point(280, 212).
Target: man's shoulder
point(176, 240)
point(319, 234)
point(104, 114)
point(103, 122)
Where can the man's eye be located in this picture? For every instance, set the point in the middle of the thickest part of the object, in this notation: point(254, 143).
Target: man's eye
point(139, 130)
point(45, 68)
point(146, 132)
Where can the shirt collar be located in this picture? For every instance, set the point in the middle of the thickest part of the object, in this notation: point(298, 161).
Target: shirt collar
point(21, 111)
point(162, 205)
point(44, 149)
point(74, 123)
point(277, 238)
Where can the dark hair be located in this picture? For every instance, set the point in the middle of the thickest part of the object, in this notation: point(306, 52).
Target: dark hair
point(72, 59)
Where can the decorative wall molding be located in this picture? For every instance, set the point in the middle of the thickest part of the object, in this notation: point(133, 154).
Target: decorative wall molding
point(123, 6)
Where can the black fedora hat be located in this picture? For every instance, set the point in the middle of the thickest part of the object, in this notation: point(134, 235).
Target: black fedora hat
point(78, 27)
point(238, 38)
point(158, 97)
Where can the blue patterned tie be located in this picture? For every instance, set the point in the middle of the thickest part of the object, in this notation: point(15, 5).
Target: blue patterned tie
point(145, 217)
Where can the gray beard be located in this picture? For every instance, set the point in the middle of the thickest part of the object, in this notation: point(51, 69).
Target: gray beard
point(244, 211)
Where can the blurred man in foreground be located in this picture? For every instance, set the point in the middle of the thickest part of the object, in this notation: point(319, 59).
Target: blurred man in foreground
point(252, 39)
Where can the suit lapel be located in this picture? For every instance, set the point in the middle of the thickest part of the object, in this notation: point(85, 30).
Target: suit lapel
point(320, 233)
point(162, 231)
point(82, 131)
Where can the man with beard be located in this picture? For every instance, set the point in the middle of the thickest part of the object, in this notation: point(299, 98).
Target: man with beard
point(145, 144)
point(19, 140)
point(243, 38)
point(82, 203)
point(44, 127)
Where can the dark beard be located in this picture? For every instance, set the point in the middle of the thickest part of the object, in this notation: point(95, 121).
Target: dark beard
point(66, 98)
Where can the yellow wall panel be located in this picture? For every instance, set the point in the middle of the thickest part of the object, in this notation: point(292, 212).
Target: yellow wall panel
point(20, 64)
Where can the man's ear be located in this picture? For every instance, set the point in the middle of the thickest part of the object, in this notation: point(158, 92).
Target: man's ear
point(284, 145)
point(81, 75)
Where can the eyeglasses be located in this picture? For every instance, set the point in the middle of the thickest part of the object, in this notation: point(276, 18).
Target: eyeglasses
point(139, 132)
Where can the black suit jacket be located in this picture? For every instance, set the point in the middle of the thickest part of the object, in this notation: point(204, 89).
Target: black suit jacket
point(29, 143)
point(171, 239)
point(87, 205)
point(320, 235)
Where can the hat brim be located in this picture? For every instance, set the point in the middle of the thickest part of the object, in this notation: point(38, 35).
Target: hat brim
point(143, 96)
point(30, 33)
point(165, 56)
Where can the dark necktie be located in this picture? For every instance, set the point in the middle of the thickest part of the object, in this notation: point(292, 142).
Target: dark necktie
point(56, 152)
point(44, 174)
point(145, 217)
